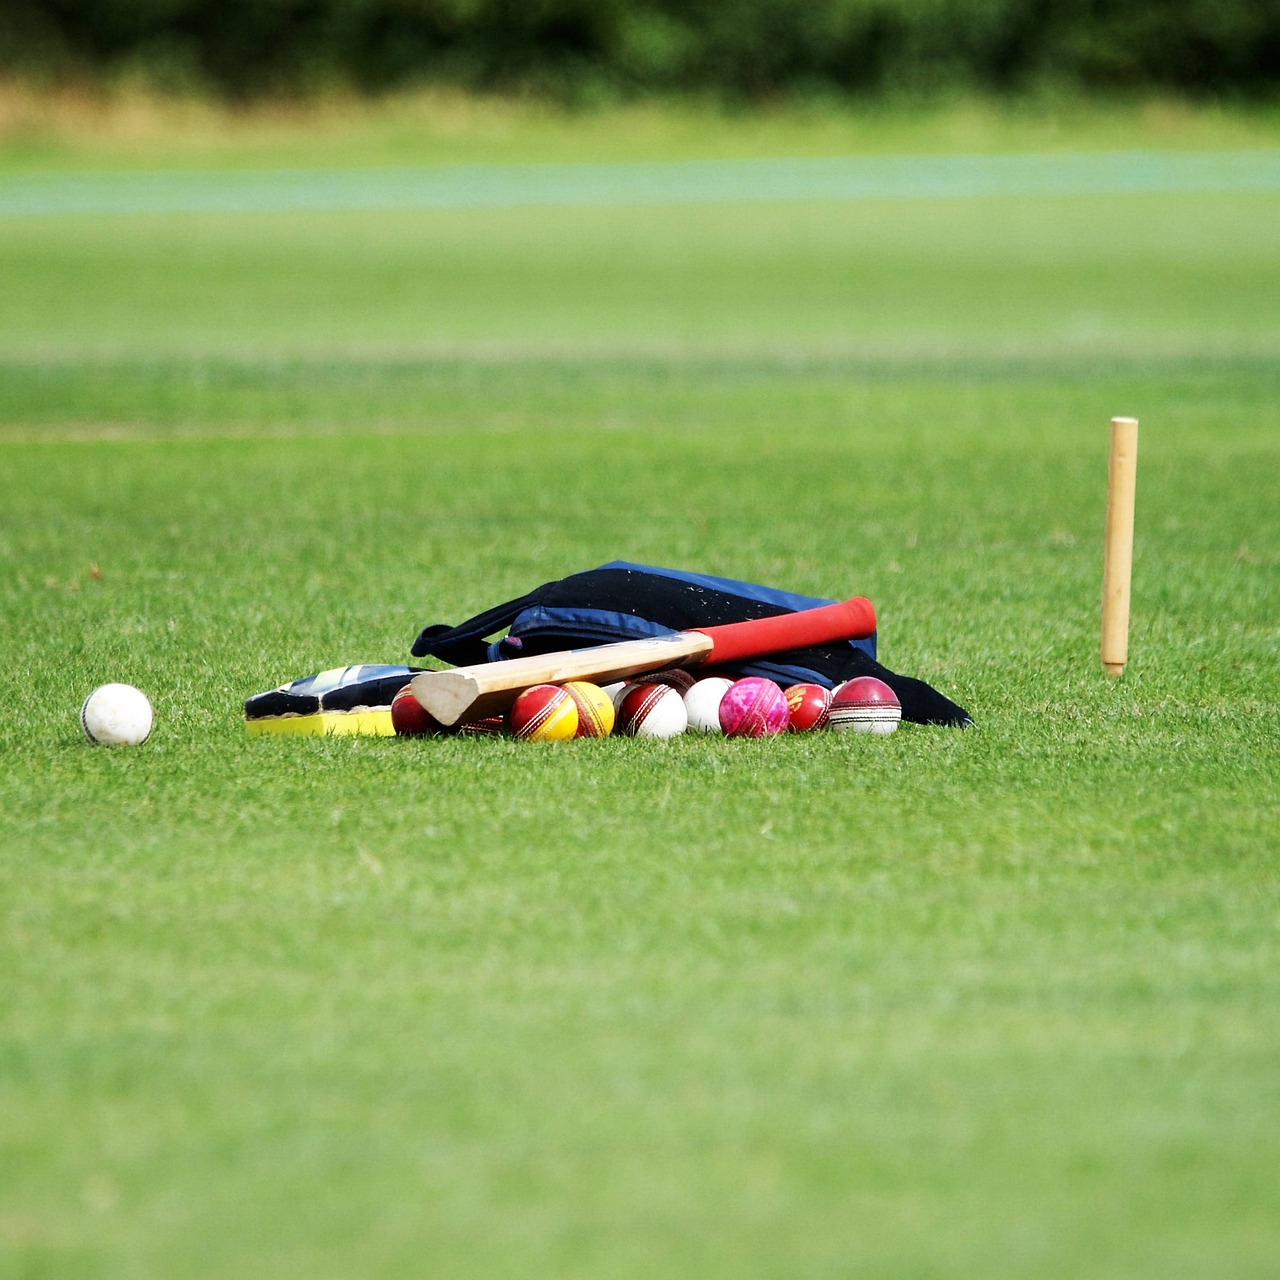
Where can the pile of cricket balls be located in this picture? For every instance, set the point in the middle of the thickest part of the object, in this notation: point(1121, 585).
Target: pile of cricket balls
point(666, 704)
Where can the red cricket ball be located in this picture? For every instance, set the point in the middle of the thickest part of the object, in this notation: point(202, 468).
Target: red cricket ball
point(673, 677)
point(809, 706)
point(487, 725)
point(410, 719)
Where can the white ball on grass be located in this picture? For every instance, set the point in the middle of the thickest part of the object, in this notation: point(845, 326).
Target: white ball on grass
point(116, 715)
point(702, 702)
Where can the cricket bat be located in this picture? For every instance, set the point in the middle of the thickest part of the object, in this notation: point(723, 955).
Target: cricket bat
point(469, 693)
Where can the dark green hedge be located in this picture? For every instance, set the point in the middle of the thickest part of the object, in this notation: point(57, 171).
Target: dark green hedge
point(740, 48)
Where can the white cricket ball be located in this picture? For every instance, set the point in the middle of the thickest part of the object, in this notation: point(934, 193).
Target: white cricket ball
point(702, 702)
point(116, 715)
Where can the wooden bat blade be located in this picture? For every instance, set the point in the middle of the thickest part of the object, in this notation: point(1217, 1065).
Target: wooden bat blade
point(470, 693)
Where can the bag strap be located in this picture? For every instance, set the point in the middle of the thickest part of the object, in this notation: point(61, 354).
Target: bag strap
point(464, 645)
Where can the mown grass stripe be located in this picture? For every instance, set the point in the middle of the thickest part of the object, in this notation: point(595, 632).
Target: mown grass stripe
point(702, 182)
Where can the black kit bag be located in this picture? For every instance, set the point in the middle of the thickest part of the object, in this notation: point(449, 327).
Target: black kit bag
point(623, 601)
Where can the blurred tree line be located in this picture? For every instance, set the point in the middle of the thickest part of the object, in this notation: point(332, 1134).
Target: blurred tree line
point(582, 49)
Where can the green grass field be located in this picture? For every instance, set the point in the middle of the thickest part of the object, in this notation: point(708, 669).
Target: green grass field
point(994, 1003)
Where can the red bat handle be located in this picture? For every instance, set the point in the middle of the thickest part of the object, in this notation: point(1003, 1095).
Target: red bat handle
point(829, 623)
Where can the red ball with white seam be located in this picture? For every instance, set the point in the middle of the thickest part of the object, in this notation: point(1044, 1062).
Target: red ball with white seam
point(808, 707)
point(651, 711)
point(865, 705)
point(753, 708)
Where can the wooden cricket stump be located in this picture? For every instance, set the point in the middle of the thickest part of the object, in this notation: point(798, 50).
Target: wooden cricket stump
point(1117, 553)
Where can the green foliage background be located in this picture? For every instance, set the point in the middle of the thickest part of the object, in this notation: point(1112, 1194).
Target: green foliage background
point(592, 48)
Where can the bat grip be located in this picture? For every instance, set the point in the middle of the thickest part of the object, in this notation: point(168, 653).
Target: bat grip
point(828, 624)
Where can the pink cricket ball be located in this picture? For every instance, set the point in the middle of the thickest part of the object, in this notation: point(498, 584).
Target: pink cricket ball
point(753, 708)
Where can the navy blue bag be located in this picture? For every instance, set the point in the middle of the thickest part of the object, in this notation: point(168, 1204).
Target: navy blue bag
point(624, 601)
